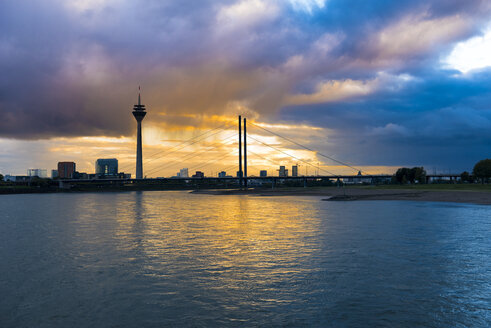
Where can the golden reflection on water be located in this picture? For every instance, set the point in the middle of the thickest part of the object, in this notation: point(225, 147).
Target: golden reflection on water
point(220, 234)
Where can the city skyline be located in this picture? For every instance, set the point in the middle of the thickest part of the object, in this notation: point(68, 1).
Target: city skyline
point(379, 87)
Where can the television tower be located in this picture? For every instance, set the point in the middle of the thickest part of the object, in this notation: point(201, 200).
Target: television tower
point(139, 113)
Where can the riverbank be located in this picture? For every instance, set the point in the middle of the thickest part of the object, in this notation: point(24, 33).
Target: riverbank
point(480, 196)
point(472, 194)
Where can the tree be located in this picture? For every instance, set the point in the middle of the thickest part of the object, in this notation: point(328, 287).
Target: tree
point(1, 177)
point(482, 170)
point(419, 174)
point(405, 175)
point(465, 177)
point(402, 175)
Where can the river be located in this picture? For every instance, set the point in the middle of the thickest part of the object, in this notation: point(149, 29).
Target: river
point(158, 259)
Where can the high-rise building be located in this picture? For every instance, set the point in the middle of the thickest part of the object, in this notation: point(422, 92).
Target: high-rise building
point(54, 174)
point(263, 173)
point(222, 174)
point(106, 167)
point(66, 170)
point(183, 173)
point(41, 173)
point(139, 113)
point(283, 172)
point(294, 171)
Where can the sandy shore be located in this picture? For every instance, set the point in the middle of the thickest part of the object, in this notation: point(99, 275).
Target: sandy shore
point(351, 194)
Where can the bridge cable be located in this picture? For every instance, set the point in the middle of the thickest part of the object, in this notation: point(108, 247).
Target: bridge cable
point(186, 157)
point(212, 160)
point(276, 163)
point(307, 148)
point(298, 159)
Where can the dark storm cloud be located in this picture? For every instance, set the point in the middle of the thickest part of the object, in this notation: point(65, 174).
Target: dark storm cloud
point(441, 119)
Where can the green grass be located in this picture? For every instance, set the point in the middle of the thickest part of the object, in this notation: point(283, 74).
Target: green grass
point(437, 187)
point(3, 186)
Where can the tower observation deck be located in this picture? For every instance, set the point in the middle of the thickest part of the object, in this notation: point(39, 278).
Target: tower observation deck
point(139, 113)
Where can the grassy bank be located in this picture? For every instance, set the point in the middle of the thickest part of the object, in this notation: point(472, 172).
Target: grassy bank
point(435, 187)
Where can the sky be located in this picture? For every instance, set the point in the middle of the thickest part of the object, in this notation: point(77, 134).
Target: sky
point(376, 84)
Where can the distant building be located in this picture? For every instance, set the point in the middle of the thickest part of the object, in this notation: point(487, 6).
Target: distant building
point(294, 171)
point(106, 167)
point(66, 170)
point(222, 174)
point(80, 175)
point(263, 173)
point(183, 173)
point(41, 173)
point(358, 180)
point(362, 180)
point(283, 172)
point(199, 174)
point(16, 178)
point(9, 177)
point(54, 174)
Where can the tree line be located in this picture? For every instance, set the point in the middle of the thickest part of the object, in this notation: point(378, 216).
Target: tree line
point(480, 173)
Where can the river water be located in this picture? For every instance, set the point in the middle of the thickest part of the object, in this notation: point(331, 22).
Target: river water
point(158, 259)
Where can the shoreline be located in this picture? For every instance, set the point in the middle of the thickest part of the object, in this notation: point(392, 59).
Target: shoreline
point(466, 196)
point(353, 194)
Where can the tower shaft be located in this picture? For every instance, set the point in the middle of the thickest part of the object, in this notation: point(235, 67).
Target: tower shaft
point(139, 155)
point(240, 151)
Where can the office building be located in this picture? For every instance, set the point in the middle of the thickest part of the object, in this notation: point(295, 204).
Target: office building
point(199, 174)
point(294, 171)
point(263, 173)
point(54, 174)
point(183, 173)
point(222, 174)
point(106, 167)
point(283, 172)
point(41, 173)
point(66, 170)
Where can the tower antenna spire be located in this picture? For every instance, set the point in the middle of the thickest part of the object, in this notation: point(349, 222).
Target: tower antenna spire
point(139, 101)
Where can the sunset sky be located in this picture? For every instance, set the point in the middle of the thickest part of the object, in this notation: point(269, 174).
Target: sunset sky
point(377, 84)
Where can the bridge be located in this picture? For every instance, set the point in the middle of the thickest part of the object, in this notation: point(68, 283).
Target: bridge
point(242, 180)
